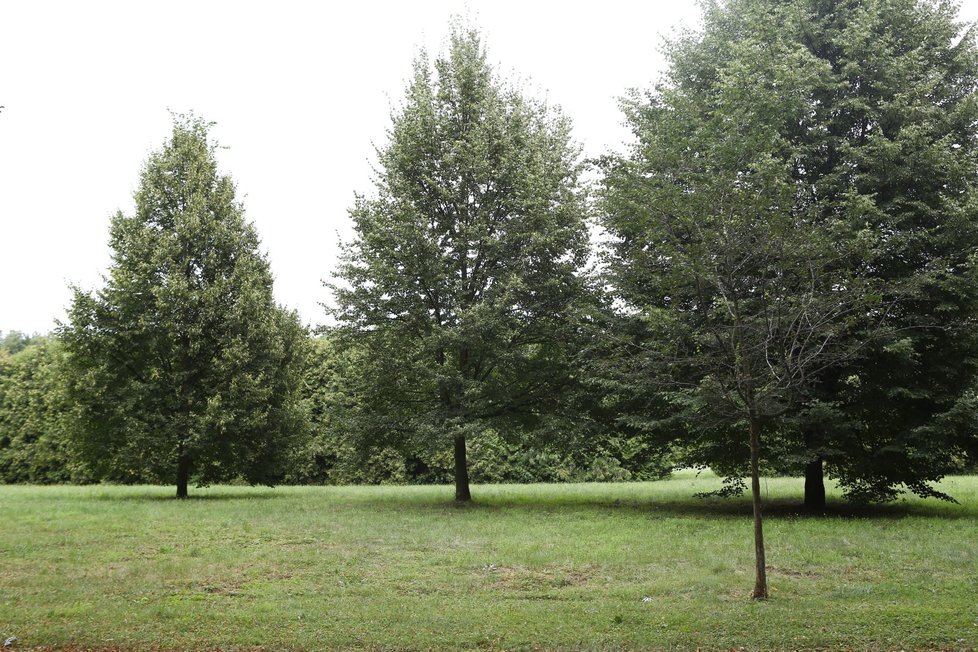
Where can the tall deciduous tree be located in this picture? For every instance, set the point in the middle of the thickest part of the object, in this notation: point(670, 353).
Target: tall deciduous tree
point(892, 142)
point(183, 365)
point(463, 281)
point(880, 147)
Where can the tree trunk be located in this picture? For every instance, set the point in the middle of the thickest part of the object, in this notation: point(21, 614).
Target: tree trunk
point(760, 583)
point(814, 486)
point(183, 475)
point(462, 494)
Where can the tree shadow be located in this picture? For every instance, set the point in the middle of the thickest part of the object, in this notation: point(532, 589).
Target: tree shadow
point(732, 508)
point(791, 508)
point(437, 498)
point(220, 494)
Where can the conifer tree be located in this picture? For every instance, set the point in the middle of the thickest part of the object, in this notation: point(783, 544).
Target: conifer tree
point(183, 366)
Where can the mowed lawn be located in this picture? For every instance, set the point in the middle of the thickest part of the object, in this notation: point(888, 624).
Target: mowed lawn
point(639, 565)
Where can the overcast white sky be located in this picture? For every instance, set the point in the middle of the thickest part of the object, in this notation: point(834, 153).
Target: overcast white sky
point(300, 91)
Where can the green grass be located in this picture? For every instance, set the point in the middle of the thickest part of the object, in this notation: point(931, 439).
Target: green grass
point(526, 566)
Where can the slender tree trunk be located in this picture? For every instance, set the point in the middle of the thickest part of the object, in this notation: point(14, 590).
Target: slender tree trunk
point(183, 475)
point(462, 494)
point(760, 583)
point(814, 486)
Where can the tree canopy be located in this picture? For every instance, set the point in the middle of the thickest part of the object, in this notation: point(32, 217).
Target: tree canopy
point(36, 416)
point(865, 114)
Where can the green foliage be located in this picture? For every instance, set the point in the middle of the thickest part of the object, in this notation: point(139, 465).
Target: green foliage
point(808, 165)
point(738, 292)
point(462, 287)
point(334, 454)
point(896, 149)
point(329, 454)
point(15, 341)
point(36, 417)
point(182, 364)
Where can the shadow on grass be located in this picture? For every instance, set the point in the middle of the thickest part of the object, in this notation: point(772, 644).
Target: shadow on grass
point(775, 509)
point(433, 498)
point(794, 509)
point(129, 493)
point(672, 506)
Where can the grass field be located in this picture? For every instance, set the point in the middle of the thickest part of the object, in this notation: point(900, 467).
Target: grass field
point(613, 566)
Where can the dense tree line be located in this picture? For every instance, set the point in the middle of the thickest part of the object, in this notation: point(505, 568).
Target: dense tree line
point(789, 284)
point(36, 414)
point(37, 420)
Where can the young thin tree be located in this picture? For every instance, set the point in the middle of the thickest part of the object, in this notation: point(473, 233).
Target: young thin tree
point(740, 298)
point(463, 283)
point(182, 364)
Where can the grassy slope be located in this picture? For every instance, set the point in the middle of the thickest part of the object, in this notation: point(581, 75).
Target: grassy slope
point(401, 567)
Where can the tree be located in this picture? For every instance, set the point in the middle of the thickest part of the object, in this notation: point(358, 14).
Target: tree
point(463, 282)
point(182, 364)
point(893, 132)
point(882, 149)
point(739, 293)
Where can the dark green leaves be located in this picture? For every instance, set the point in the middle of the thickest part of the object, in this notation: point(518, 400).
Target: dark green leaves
point(183, 353)
point(805, 174)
